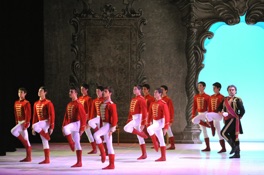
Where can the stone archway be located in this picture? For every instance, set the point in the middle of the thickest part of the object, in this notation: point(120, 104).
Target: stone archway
point(198, 16)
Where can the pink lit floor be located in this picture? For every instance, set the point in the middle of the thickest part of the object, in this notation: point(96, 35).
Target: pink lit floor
point(187, 159)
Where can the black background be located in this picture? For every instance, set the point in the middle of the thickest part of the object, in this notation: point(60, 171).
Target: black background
point(22, 62)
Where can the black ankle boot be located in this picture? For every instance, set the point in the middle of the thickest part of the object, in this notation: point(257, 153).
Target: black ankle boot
point(232, 144)
point(237, 153)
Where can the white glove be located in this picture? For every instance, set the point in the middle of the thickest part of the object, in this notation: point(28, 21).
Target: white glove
point(225, 114)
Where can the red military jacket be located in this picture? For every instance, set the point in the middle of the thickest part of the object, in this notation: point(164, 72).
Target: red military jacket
point(44, 110)
point(95, 110)
point(75, 112)
point(158, 110)
point(215, 101)
point(22, 111)
point(170, 106)
point(149, 99)
point(86, 101)
point(200, 103)
point(108, 113)
point(138, 105)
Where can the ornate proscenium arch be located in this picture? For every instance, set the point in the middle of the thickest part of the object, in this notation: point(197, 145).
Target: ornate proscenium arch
point(198, 17)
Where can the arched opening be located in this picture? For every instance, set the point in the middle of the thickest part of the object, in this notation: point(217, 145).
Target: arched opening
point(235, 56)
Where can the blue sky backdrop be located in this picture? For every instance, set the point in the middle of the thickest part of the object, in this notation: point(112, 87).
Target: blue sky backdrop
point(235, 55)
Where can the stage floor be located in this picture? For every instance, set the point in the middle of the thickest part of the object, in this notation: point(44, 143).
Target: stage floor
point(187, 159)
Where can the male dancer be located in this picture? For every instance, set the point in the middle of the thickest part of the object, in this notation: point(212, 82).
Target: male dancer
point(74, 124)
point(108, 113)
point(159, 114)
point(86, 101)
point(149, 99)
point(95, 120)
point(213, 116)
point(137, 119)
point(171, 110)
point(232, 109)
point(200, 106)
point(22, 111)
point(146, 92)
point(43, 121)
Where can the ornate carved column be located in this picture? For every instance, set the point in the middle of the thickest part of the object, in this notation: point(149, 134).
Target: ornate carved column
point(255, 11)
point(191, 132)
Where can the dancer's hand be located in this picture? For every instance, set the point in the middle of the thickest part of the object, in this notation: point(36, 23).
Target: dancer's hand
point(81, 132)
point(26, 125)
point(110, 133)
point(225, 114)
point(165, 131)
point(50, 131)
point(142, 127)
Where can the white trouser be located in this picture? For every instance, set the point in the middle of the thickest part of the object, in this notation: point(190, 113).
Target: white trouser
point(203, 128)
point(169, 132)
point(104, 131)
point(19, 129)
point(89, 135)
point(135, 123)
point(197, 119)
point(214, 116)
point(42, 125)
point(73, 129)
point(93, 123)
point(156, 128)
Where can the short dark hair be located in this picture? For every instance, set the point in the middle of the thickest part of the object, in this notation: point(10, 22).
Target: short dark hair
point(138, 86)
point(85, 85)
point(165, 87)
point(74, 88)
point(218, 85)
point(146, 86)
point(44, 88)
point(160, 91)
point(109, 88)
point(23, 89)
point(231, 86)
point(202, 83)
point(101, 88)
